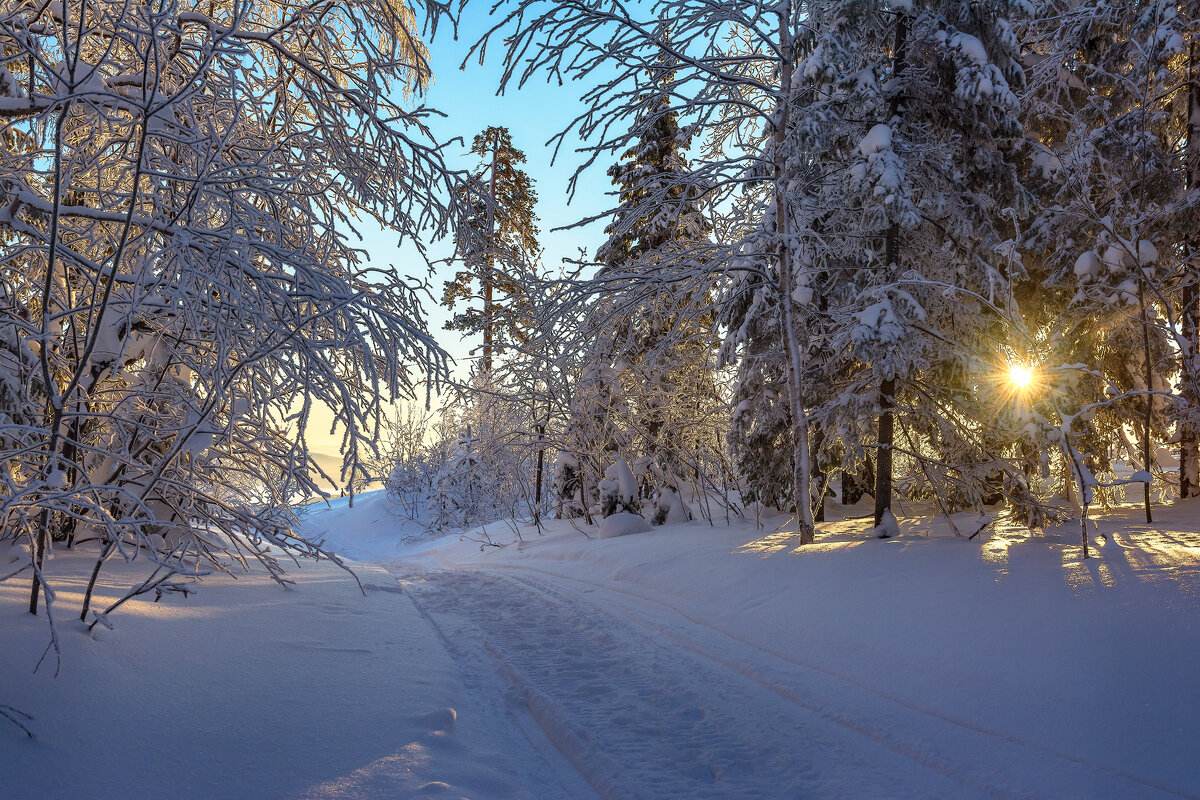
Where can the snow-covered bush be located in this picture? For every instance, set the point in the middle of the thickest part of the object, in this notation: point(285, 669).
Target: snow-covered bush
point(407, 463)
point(485, 465)
point(619, 490)
point(569, 502)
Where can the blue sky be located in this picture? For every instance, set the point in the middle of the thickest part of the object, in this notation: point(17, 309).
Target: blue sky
point(532, 115)
point(468, 99)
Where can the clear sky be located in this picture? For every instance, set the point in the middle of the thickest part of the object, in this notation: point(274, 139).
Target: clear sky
point(468, 97)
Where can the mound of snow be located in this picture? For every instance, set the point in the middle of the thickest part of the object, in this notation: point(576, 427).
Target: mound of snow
point(888, 527)
point(622, 524)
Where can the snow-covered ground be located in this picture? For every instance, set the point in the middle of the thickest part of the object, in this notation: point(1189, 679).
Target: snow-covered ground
point(687, 661)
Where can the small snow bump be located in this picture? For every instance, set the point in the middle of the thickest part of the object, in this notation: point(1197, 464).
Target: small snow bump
point(622, 524)
point(441, 720)
point(888, 527)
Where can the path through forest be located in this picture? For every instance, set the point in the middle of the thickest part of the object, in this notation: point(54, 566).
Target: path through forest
point(646, 702)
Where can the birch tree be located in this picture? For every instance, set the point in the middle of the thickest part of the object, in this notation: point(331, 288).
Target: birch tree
point(178, 287)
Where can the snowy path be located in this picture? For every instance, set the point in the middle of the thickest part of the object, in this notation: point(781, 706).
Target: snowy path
point(645, 702)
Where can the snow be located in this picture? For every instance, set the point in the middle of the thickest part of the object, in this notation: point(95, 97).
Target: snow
point(1147, 252)
point(971, 48)
point(244, 690)
point(688, 661)
point(672, 503)
point(802, 295)
point(1088, 265)
point(623, 483)
point(888, 527)
point(878, 139)
point(1048, 164)
point(622, 524)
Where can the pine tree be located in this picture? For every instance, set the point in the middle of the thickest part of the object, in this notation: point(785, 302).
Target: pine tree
point(659, 206)
point(496, 242)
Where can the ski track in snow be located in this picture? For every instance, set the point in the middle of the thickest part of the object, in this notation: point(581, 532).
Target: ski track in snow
point(652, 704)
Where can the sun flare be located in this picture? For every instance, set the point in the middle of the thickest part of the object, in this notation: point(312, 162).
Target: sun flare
point(1020, 376)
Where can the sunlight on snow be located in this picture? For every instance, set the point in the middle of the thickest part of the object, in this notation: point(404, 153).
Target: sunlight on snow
point(404, 767)
point(1134, 554)
point(1005, 536)
point(842, 535)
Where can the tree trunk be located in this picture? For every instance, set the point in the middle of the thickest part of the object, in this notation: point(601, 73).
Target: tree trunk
point(39, 555)
point(887, 388)
point(801, 472)
point(537, 486)
point(883, 459)
point(1149, 398)
point(489, 262)
point(822, 478)
point(1189, 435)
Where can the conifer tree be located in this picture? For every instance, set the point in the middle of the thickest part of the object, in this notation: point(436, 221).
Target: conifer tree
point(659, 206)
point(895, 157)
point(1107, 112)
point(1189, 303)
point(496, 243)
point(655, 340)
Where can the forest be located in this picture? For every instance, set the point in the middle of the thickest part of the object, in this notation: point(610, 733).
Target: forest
point(938, 253)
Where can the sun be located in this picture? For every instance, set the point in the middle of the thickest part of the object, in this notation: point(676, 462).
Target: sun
point(1020, 376)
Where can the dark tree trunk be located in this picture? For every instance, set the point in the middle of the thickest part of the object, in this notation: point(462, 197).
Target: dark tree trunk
point(537, 487)
point(39, 554)
point(1189, 436)
point(886, 434)
point(822, 478)
point(1149, 398)
point(883, 464)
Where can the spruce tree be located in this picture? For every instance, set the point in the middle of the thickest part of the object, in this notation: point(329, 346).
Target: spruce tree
point(652, 315)
point(1107, 113)
point(659, 205)
point(896, 160)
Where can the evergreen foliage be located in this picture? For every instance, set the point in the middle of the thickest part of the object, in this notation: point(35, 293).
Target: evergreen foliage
point(496, 242)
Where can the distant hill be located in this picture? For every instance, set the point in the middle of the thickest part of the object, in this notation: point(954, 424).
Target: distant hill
point(331, 463)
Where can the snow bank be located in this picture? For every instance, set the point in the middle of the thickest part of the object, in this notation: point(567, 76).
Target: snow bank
point(622, 524)
point(243, 690)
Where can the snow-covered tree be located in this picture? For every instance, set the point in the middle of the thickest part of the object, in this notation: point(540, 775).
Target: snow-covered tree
point(176, 180)
point(1108, 119)
point(659, 207)
point(649, 394)
point(897, 161)
point(618, 45)
point(911, 113)
point(496, 241)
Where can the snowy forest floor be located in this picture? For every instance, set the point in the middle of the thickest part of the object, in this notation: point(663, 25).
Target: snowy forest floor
point(689, 661)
